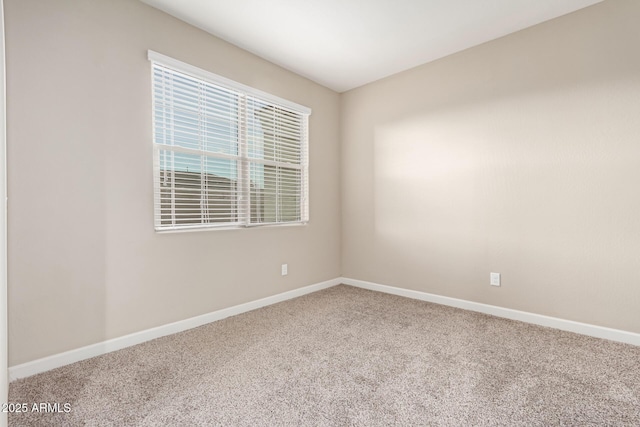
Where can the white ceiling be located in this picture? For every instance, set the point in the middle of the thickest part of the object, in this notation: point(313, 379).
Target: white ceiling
point(343, 44)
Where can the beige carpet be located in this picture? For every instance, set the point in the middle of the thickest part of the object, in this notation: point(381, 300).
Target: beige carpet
point(347, 356)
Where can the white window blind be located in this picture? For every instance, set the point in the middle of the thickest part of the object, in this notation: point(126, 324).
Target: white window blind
point(225, 154)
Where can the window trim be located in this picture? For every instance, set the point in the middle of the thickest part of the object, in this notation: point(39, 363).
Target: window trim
point(163, 60)
point(223, 81)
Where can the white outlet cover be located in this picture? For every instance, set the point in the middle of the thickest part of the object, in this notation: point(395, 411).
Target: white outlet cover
point(495, 279)
point(285, 269)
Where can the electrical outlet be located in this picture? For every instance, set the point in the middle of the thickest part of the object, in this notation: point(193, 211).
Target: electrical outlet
point(285, 269)
point(494, 279)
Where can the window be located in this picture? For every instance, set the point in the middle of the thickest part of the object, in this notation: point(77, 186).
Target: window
point(225, 154)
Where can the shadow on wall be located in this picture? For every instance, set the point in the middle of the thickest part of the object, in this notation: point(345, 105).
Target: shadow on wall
point(519, 156)
point(537, 181)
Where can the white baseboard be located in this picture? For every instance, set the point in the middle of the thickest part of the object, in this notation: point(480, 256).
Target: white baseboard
point(72, 356)
point(523, 316)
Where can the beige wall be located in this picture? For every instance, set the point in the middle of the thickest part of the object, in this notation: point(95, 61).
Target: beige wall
point(520, 156)
point(85, 264)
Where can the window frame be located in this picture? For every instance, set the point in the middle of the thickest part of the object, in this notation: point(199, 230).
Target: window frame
point(243, 160)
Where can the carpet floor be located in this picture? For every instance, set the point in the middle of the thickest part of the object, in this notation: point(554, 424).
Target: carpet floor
point(347, 356)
